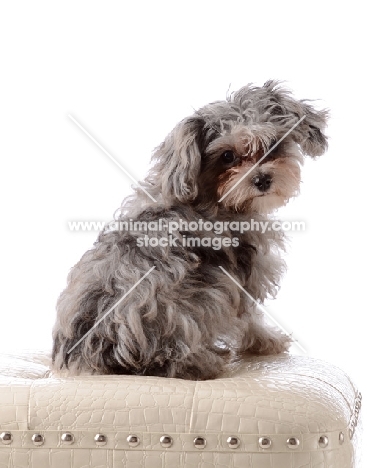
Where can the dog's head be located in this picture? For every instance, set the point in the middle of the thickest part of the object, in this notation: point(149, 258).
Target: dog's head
point(242, 154)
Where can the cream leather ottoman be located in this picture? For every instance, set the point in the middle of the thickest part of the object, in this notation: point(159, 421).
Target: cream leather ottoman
point(280, 412)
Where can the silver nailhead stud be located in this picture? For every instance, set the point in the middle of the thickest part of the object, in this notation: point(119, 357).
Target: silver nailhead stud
point(67, 438)
point(323, 441)
point(293, 443)
point(233, 442)
point(100, 439)
point(6, 438)
point(341, 438)
point(265, 442)
point(199, 442)
point(38, 439)
point(166, 441)
point(133, 440)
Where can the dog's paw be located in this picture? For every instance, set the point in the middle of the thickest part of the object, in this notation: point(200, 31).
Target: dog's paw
point(268, 343)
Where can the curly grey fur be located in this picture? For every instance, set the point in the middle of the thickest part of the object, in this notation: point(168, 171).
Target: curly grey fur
point(187, 319)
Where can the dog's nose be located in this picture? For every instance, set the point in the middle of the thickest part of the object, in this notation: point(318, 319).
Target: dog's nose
point(262, 182)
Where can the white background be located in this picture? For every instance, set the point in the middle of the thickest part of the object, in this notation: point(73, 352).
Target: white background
point(129, 71)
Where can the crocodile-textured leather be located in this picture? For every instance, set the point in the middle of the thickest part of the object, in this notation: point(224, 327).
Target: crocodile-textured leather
point(305, 409)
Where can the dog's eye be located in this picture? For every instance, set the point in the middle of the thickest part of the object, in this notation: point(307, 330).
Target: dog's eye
point(272, 144)
point(228, 157)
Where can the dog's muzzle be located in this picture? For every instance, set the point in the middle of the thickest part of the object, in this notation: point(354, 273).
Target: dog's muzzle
point(262, 182)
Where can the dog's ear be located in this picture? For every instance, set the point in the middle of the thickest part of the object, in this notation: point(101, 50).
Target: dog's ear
point(178, 160)
point(311, 132)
